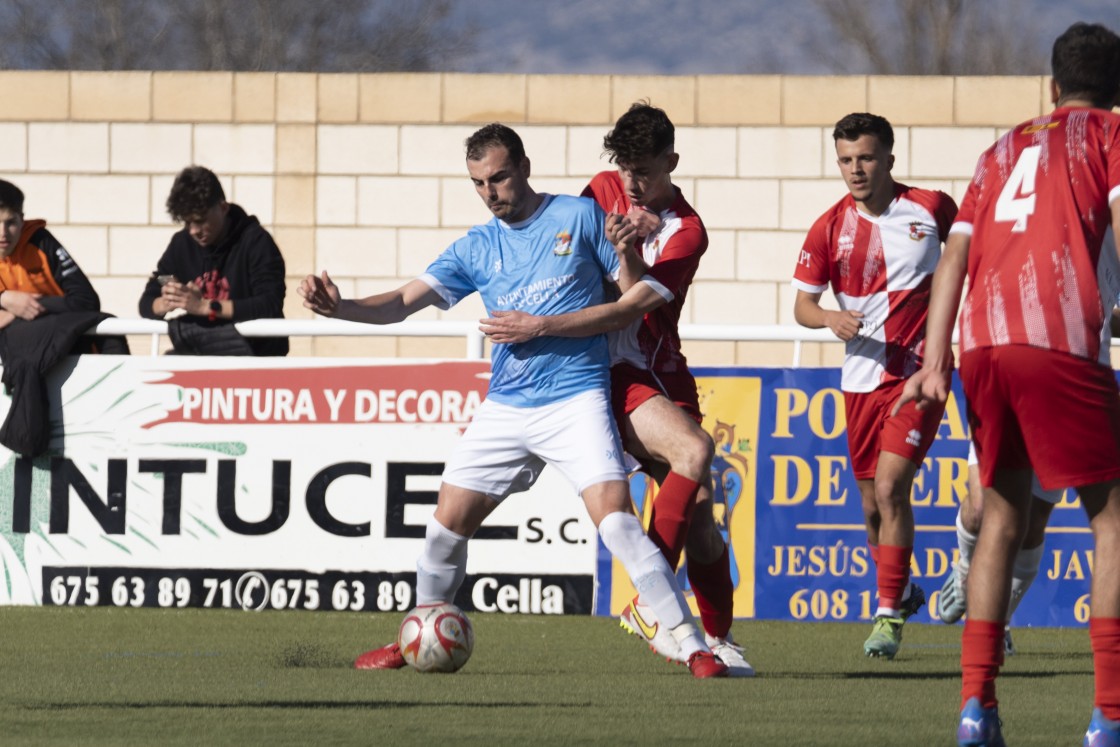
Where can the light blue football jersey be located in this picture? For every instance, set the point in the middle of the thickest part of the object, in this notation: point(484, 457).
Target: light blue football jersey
point(551, 263)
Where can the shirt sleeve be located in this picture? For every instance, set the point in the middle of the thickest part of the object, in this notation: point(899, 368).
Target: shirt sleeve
point(963, 222)
point(77, 292)
point(944, 213)
point(1114, 166)
point(604, 249)
point(813, 272)
point(266, 282)
point(449, 275)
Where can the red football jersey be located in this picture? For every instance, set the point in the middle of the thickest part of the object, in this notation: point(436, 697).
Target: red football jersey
point(883, 267)
point(673, 253)
point(1042, 267)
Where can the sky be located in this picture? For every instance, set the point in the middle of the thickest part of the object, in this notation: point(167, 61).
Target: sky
point(672, 37)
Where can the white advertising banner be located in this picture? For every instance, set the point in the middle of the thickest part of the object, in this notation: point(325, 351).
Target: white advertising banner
point(268, 483)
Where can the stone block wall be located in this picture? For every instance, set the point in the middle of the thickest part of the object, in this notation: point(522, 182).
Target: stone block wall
point(363, 174)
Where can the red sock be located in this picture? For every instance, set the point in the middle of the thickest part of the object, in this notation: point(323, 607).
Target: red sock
point(894, 574)
point(874, 553)
point(671, 514)
point(981, 658)
point(711, 584)
point(1104, 634)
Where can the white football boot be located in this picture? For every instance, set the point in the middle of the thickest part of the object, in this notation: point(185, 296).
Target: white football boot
point(732, 655)
point(638, 619)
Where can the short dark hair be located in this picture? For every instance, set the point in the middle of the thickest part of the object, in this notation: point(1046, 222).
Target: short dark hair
point(495, 134)
point(11, 197)
point(644, 130)
point(1086, 63)
point(195, 191)
point(854, 126)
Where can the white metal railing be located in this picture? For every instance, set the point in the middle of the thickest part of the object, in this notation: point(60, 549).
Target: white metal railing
point(475, 340)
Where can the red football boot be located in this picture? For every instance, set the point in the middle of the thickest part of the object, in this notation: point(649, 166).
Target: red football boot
point(704, 664)
point(386, 657)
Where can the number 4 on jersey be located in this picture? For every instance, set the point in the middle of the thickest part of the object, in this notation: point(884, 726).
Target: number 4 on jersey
point(1016, 201)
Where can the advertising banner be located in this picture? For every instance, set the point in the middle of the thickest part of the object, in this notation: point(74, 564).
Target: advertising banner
point(306, 484)
point(260, 484)
point(786, 499)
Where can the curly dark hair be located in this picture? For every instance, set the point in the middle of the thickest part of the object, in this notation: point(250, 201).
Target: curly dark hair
point(643, 131)
point(492, 135)
point(195, 191)
point(11, 197)
point(1086, 64)
point(854, 126)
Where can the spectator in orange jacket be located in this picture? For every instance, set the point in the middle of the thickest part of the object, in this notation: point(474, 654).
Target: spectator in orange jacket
point(37, 275)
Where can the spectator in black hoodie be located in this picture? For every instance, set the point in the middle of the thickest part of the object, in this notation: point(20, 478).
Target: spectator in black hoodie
point(221, 268)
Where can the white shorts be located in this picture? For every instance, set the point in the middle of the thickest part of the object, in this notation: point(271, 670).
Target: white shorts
point(505, 448)
point(1050, 496)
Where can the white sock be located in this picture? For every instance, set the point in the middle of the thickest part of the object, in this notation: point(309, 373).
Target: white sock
point(1023, 574)
point(648, 570)
point(440, 569)
point(966, 541)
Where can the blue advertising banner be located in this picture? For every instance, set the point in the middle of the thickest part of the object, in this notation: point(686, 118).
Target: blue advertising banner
point(787, 501)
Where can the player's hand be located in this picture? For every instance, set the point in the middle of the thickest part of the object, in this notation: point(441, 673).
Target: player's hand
point(644, 221)
point(21, 304)
point(320, 294)
point(927, 387)
point(844, 324)
point(185, 296)
point(509, 327)
point(621, 232)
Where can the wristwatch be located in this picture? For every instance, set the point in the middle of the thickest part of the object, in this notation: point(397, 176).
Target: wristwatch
point(215, 309)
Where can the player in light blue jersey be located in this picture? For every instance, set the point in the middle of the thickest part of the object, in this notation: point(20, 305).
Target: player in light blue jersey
point(548, 400)
point(551, 261)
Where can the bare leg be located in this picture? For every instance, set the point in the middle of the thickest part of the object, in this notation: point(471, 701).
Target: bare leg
point(1006, 513)
point(871, 517)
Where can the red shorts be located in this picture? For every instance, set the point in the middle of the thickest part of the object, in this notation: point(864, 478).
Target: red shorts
point(1036, 408)
point(631, 387)
point(871, 429)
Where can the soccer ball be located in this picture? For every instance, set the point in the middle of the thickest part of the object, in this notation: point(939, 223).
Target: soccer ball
point(436, 638)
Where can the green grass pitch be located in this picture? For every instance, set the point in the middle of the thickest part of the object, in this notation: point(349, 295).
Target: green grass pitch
point(140, 677)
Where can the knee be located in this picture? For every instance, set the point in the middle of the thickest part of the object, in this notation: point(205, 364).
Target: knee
point(970, 519)
point(693, 457)
point(892, 495)
point(1106, 527)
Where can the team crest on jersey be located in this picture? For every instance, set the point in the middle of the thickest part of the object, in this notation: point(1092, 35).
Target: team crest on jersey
point(916, 232)
point(563, 246)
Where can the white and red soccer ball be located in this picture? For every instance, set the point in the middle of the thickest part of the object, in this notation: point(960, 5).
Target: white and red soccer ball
point(436, 638)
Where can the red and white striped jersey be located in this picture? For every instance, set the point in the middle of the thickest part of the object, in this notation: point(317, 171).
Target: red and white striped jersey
point(1042, 267)
point(673, 253)
point(883, 267)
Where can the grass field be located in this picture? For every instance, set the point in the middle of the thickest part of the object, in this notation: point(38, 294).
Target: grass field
point(113, 676)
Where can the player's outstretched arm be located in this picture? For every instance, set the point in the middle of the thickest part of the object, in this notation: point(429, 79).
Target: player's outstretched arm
point(517, 326)
point(807, 312)
point(932, 383)
point(322, 296)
